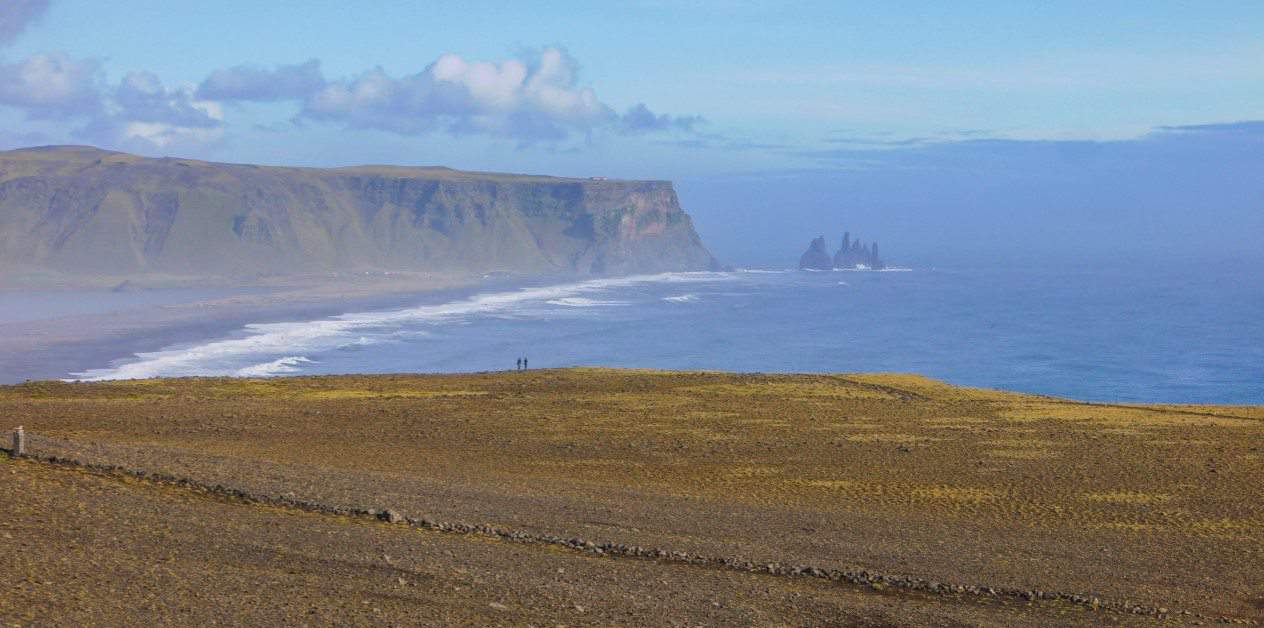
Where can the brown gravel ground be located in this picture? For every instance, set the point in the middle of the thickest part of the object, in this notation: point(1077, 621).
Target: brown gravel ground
point(87, 549)
point(1156, 505)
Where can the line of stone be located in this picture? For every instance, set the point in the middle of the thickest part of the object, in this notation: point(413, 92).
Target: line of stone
point(860, 577)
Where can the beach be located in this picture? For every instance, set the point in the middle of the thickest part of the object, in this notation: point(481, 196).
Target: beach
point(1129, 333)
point(48, 334)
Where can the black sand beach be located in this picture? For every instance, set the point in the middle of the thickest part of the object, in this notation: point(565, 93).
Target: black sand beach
point(53, 343)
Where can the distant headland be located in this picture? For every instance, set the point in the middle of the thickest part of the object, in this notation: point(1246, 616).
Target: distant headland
point(852, 254)
point(81, 212)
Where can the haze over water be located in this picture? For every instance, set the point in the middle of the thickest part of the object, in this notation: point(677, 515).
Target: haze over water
point(1121, 334)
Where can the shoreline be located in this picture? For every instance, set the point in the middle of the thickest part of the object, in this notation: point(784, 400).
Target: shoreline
point(790, 322)
point(56, 346)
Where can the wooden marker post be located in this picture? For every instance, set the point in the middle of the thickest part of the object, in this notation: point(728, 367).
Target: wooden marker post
point(19, 443)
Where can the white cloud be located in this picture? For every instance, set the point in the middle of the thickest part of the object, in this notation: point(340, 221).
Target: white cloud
point(142, 113)
point(141, 97)
point(534, 98)
point(138, 112)
point(165, 135)
point(640, 119)
point(51, 85)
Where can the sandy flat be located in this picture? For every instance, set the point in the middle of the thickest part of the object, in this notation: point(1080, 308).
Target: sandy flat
point(52, 346)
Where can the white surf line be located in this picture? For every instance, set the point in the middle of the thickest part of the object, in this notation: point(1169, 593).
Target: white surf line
point(584, 302)
point(231, 356)
point(682, 298)
point(288, 364)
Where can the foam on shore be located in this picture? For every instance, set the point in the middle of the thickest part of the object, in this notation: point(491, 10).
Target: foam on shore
point(264, 349)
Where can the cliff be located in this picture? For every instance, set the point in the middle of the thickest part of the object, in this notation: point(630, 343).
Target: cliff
point(80, 210)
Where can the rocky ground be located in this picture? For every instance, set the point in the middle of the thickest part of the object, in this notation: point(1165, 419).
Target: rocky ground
point(87, 549)
point(870, 488)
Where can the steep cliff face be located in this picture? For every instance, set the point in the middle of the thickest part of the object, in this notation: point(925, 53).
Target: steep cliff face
point(83, 210)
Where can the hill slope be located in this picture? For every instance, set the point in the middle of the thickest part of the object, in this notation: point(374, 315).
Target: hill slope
point(80, 210)
point(1004, 501)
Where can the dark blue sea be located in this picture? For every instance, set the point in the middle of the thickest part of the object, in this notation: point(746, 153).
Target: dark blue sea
point(1182, 334)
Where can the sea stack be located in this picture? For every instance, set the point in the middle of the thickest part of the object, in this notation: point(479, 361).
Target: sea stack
point(852, 254)
point(857, 254)
point(816, 257)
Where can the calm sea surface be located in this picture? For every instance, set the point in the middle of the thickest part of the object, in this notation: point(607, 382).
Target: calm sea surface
point(1183, 335)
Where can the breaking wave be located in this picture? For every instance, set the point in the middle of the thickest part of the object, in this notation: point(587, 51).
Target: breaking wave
point(682, 298)
point(889, 269)
point(280, 366)
point(584, 302)
point(277, 348)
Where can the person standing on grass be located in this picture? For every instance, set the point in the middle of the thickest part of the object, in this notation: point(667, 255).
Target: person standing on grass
point(519, 364)
point(524, 364)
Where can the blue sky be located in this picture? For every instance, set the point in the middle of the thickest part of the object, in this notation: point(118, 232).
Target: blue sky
point(880, 101)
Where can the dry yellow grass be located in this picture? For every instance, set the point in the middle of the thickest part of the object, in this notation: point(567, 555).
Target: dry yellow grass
point(1129, 497)
point(888, 471)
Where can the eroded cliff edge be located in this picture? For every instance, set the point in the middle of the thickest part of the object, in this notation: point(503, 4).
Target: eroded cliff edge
point(80, 210)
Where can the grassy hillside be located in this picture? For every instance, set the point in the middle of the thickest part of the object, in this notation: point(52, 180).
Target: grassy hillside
point(1161, 506)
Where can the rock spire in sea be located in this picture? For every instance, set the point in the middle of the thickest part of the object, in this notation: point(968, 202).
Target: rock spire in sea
point(852, 254)
point(816, 257)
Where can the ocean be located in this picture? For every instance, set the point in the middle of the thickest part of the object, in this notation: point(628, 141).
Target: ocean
point(1109, 334)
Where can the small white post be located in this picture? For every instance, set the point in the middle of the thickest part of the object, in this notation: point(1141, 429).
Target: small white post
point(19, 443)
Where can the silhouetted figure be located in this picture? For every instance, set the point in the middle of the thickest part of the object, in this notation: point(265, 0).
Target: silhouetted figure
point(524, 364)
point(519, 364)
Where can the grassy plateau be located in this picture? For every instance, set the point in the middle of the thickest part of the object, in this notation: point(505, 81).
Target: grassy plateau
point(1155, 506)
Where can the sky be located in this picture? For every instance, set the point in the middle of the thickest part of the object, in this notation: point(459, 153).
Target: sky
point(947, 131)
